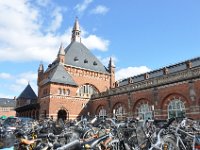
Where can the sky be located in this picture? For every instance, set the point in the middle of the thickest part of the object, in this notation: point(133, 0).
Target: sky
point(139, 35)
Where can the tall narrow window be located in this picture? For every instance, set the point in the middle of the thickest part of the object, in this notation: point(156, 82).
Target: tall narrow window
point(60, 91)
point(67, 92)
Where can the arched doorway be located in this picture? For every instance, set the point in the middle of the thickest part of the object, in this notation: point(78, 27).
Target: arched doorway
point(63, 114)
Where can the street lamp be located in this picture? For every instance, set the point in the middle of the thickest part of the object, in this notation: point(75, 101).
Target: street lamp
point(152, 108)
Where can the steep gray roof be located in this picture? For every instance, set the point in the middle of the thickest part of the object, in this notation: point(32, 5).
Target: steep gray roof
point(76, 54)
point(58, 74)
point(28, 93)
point(6, 102)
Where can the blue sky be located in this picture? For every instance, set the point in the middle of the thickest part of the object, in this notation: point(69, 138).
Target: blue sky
point(140, 35)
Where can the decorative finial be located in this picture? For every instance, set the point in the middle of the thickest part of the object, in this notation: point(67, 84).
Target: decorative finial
point(41, 67)
point(76, 32)
point(61, 50)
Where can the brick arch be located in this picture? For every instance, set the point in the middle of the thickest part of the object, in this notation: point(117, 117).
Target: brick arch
point(91, 85)
point(62, 108)
point(118, 104)
point(99, 107)
point(139, 102)
point(166, 100)
point(65, 111)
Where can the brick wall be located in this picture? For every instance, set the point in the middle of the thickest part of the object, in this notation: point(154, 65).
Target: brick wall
point(74, 105)
point(158, 96)
point(7, 111)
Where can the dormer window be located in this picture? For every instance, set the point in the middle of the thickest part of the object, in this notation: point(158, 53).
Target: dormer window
point(75, 58)
point(49, 65)
point(85, 61)
point(94, 63)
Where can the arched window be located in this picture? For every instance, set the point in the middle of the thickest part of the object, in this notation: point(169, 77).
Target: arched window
point(86, 90)
point(67, 92)
point(145, 112)
point(102, 112)
point(176, 108)
point(119, 110)
point(64, 91)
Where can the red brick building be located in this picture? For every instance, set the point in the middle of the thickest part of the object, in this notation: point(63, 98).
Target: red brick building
point(77, 83)
point(7, 107)
point(66, 86)
point(170, 91)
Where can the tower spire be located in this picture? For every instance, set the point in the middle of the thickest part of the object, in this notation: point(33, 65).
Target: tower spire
point(111, 63)
point(61, 54)
point(41, 67)
point(61, 50)
point(111, 68)
point(76, 32)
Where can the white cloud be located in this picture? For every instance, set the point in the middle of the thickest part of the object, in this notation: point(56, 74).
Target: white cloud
point(94, 42)
point(22, 80)
point(5, 75)
point(17, 83)
point(28, 76)
point(57, 20)
point(100, 9)
point(22, 36)
point(130, 71)
point(6, 96)
point(81, 7)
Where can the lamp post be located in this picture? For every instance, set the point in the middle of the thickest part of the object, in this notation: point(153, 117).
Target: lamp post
point(152, 108)
point(113, 113)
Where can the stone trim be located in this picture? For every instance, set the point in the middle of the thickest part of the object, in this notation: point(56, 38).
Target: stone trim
point(175, 78)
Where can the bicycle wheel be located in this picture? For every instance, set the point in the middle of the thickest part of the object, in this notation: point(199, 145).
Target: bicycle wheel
point(89, 133)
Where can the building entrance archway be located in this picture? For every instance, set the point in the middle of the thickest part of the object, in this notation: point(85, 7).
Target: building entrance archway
point(63, 114)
